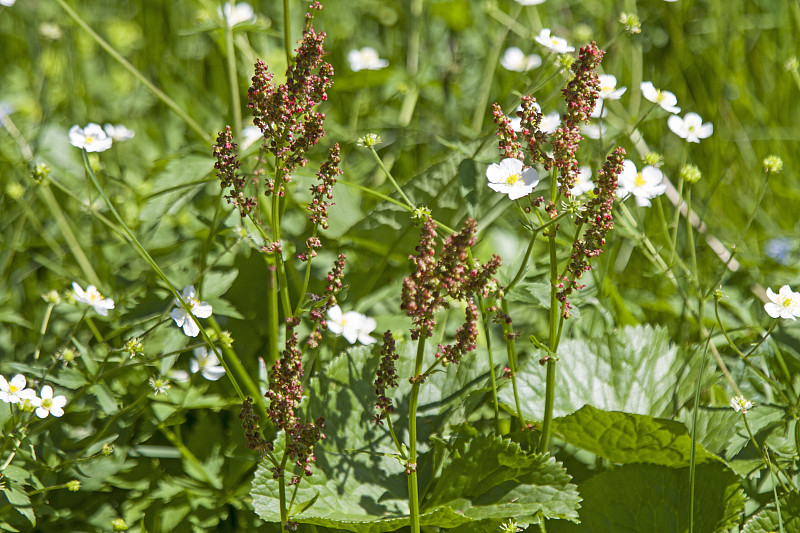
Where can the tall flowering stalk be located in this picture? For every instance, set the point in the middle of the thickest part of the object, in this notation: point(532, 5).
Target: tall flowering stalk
point(431, 287)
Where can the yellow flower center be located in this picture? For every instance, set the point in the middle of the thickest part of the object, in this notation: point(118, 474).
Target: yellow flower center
point(512, 179)
point(47, 403)
point(13, 388)
point(639, 181)
point(785, 302)
point(89, 139)
point(659, 96)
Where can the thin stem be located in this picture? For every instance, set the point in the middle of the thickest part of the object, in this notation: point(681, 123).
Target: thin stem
point(413, 489)
point(492, 377)
point(409, 203)
point(414, 38)
point(169, 102)
point(287, 34)
point(42, 331)
point(694, 435)
point(528, 251)
point(511, 350)
point(760, 451)
point(233, 80)
point(550, 380)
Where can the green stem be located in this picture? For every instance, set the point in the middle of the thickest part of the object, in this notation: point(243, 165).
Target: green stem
point(42, 331)
point(511, 350)
point(492, 377)
point(409, 203)
point(413, 489)
point(761, 452)
point(414, 38)
point(528, 251)
point(233, 80)
point(169, 102)
point(287, 34)
point(549, 399)
point(694, 436)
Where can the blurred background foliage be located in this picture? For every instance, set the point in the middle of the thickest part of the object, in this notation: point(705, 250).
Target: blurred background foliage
point(723, 59)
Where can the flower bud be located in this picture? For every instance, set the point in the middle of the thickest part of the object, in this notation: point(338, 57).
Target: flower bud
point(370, 139)
point(654, 159)
point(631, 23)
point(73, 485)
point(690, 174)
point(772, 164)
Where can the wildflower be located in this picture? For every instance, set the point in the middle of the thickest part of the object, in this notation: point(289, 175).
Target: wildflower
point(594, 131)
point(236, 13)
point(118, 132)
point(250, 134)
point(516, 60)
point(665, 99)
point(631, 23)
point(740, 404)
point(608, 87)
point(7, 3)
point(530, 2)
point(49, 405)
point(92, 297)
point(550, 122)
point(206, 363)
point(133, 347)
point(370, 139)
point(15, 391)
point(642, 185)
point(508, 177)
point(792, 64)
point(366, 59)
point(584, 183)
point(67, 355)
point(510, 527)
point(352, 325)
point(159, 385)
point(553, 43)
point(772, 164)
point(690, 128)
point(40, 172)
point(599, 110)
point(92, 138)
point(198, 309)
point(690, 174)
point(785, 304)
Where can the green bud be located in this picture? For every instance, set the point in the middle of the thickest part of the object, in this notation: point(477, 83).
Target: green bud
point(772, 164)
point(73, 485)
point(631, 23)
point(565, 61)
point(690, 174)
point(654, 159)
point(108, 449)
point(582, 33)
point(133, 346)
point(52, 297)
point(718, 294)
point(370, 139)
point(118, 524)
point(40, 172)
point(15, 190)
point(792, 64)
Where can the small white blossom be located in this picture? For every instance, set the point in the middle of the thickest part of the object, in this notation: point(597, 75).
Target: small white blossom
point(92, 138)
point(7, 3)
point(740, 404)
point(593, 131)
point(599, 110)
point(198, 308)
point(508, 177)
point(49, 405)
point(665, 99)
point(352, 325)
point(690, 127)
point(15, 391)
point(236, 14)
point(642, 185)
point(584, 183)
point(366, 59)
point(550, 122)
point(785, 304)
point(159, 385)
point(206, 363)
point(553, 43)
point(530, 2)
point(250, 134)
point(608, 88)
point(516, 60)
point(118, 132)
point(93, 297)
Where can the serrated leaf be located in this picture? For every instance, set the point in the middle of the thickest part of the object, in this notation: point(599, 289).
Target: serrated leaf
point(645, 497)
point(634, 369)
point(19, 499)
point(216, 283)
point(629, 438)
point(768, 521)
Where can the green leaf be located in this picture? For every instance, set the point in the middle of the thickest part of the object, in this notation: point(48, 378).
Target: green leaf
point(645, 497)
point(217, 283)
point(19, 499)
point(767, 520)
point(630, 438)
point(634, 369)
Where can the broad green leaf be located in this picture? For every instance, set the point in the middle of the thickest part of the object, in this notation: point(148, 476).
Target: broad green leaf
point(645, 497)
point(629, 438)
point(19, 499)
point(633, 369)
point(217, 282)
point(768, 521)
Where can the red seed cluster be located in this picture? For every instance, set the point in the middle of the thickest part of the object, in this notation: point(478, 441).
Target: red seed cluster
point(322, 191)
point(530, 122)
point(286, 113)
point(386, 377)
point(226, 166)
point(328, 298)
point(509, 144)
point(252, 432)
point(466, 337)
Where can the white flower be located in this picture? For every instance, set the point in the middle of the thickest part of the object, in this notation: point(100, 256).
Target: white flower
point(47, 405)
point(550, 122)
point(593, 131)
point(7, 3)
point(234, 14)
point(785, 304)
point(198, 308)
point(665, 99)
point(15, 391)
point(516, 60)
point(159, 385)
point(93, 297)
point(366, 59)
point(608, 87)
point(250, 134)
point(691, 127)
point(642, 185)
point(92, 138)
point(508, 177)
point(551, 42)
point(352, 325)
point(118, 132)
point(584, 183)
point(530, 2)
point(207, 363)
point(740, 404)
point(599, 110)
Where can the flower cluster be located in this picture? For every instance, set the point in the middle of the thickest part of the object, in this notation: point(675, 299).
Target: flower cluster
point(199, 309)
point(322, 191)
point(286, 114)
point(433, 281)
point(466, 337)
point(386, 377)
point(599, 221)
point(740, 404)
point(326, 301)
point(509, 144)
point(252, 432)
point(93, 138)
point(16, 392)
point(226, 166)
